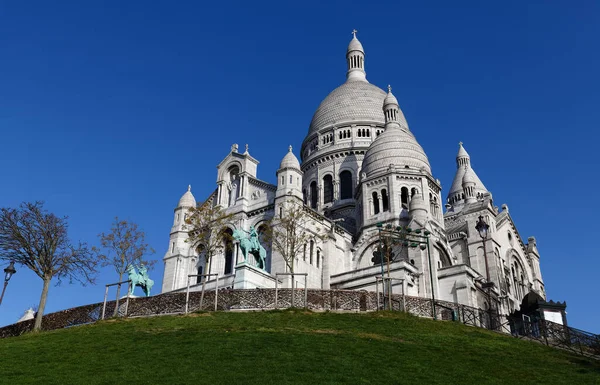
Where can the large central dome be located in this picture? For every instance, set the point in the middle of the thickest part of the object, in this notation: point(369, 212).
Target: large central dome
point(356, 100)
point(352, 101)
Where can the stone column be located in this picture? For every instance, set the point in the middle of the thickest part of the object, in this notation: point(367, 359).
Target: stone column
point(336, 189)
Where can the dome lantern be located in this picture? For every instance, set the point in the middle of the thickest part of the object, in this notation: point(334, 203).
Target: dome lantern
point(355, 57)
point(391, 110)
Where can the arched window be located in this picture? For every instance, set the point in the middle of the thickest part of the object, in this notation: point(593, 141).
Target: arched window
point(346, 185)
point(228, 235)
point(327, 189)
point(375, 203)
point(318, 257)
point(384, 200)
point(304, 254)
point(312, 248)
point(404, 197)
point(413, 191)
point(305, 196)
point(313, 195)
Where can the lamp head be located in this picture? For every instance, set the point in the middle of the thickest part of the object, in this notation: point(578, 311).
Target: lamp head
point(9, 271)
point(482, 227)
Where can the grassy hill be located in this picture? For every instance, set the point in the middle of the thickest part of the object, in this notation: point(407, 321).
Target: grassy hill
point(285, 347)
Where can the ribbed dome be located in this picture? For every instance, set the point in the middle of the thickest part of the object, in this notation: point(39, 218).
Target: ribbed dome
point(187, 200)
point(394, 146)
point(355, 45)
point(290, 160)
point(352, 101)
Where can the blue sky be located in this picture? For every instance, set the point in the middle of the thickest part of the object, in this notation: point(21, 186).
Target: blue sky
point(112, 108)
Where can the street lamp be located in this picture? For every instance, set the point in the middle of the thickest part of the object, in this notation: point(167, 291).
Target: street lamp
point(406, 237)
point(8, 273)
point(483, 228)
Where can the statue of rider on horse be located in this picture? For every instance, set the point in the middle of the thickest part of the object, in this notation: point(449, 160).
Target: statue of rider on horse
point(251, 245)
point(139, 278)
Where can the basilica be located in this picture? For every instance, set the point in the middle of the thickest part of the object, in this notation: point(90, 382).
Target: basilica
point(362, 169)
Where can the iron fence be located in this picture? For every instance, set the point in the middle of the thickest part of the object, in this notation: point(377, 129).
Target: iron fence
point(548, 333)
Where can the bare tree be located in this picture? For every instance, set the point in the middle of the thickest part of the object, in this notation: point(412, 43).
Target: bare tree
point(34, 238)
point(125, 246)
point(289, 232)
point(205, 224)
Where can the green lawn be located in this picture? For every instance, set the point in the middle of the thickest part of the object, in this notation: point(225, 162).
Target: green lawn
point(285, 347)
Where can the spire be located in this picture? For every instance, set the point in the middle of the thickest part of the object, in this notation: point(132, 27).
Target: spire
point(465, 177)
point(355, 58)
point(391, 110)
point(462, 158)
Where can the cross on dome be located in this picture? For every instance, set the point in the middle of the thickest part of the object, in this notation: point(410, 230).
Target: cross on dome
point(389, 89)
point(290, 148)
point(354, 31)
point(189, 187)
point(460, 143)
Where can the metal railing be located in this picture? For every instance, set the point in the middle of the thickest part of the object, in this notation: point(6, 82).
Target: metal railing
point(390, 291)
point(118, 284)
point(187, 290)
point(292, 292)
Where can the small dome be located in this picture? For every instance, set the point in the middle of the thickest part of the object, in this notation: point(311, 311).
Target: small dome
point(290, 160)
point(187, 200)
point(418, 203)
point(469, 176)
point(394, 146)
point(390, 98)
point(355, 45)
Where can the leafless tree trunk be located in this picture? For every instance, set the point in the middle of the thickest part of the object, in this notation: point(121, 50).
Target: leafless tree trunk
point(116, 311)
point(42, 305)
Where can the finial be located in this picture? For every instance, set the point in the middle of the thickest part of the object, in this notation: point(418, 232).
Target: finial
point(246, 148)
point(354, 31)
point(234, 147)
point(460, 144)
point(290, 148)
point(389, 89)
point(189, 187)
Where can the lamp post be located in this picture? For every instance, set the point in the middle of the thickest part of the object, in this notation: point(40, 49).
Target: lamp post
point(483, 229)
point(408, 237)
point(8, 273)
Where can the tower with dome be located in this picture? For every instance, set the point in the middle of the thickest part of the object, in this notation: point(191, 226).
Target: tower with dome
point(361, 165)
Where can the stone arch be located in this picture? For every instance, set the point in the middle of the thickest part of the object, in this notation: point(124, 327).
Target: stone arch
point(444, 254)
point(224, 171)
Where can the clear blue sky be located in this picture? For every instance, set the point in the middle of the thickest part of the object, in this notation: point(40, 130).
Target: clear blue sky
point(113, 108)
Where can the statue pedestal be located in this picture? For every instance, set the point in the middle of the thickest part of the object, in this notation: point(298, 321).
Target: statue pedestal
point(251, 277)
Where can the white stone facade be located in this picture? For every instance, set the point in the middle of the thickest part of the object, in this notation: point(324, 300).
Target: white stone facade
point(361, 165)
